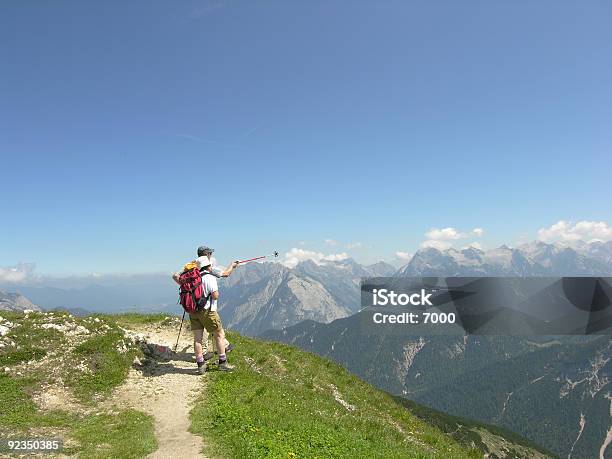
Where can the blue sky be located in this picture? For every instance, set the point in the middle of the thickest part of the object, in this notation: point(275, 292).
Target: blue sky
point(131, 132)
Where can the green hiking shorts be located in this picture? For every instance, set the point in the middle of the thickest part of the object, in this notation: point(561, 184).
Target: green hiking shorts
point(205, 320)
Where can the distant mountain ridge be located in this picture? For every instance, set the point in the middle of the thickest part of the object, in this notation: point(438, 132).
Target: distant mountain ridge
point(533, 259)
point(262, 296)
point(266, 296)
point(15, 302)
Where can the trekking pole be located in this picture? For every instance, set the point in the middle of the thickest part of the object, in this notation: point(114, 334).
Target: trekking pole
point(179, 334)
point(274, 254)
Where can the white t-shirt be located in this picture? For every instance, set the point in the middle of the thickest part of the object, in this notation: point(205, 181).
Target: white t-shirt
point(209, 284)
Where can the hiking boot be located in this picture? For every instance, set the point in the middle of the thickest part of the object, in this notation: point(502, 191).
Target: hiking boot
point(209, 355)
point(224, 366)
point(201, 367)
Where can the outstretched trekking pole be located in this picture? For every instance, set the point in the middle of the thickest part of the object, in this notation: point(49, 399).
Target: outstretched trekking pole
point(273, 254)
point(179, 335)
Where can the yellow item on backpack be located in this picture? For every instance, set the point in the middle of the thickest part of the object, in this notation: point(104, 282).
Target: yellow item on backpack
point(190, 265)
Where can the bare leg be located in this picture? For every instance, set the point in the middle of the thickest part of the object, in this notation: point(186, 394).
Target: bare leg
point(214, 343)
point(220, 341)
point(197, 344)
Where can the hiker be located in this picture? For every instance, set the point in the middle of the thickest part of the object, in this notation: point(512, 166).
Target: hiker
point(204, 251)
point(208, 319)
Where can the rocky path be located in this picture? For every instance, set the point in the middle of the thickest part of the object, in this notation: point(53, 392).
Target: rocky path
point(165, 389)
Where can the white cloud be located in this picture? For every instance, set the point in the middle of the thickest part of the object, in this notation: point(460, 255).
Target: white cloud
point(452, 234)
point(18, 273)
point(441, 239)
point(435, 244)
point(582, 231)
point(354, 245)
point(406, 256)
point(295, 256)
point(331, 242)
point(444, 234)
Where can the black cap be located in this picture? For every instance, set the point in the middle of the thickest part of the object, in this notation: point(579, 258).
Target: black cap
point(203, 250)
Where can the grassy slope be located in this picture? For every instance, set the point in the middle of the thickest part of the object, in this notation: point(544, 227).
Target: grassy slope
point(88, 431)
point(280, 403)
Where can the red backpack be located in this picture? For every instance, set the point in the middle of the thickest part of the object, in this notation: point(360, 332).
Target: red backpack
point(191, 292)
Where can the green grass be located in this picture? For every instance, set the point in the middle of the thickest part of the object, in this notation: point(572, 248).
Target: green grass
point(29, 333)
point(15, 356)
point(108, 367)
point(128, 434)
point(19, 411)
point(282, 405)
point(131, 318)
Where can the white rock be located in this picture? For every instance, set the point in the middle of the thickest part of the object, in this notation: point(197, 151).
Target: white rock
point(28, 311)
point(7, 369)
point(4, 330)
point(79, 330)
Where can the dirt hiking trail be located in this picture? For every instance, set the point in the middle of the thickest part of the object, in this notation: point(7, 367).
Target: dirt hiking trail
point(166, 390)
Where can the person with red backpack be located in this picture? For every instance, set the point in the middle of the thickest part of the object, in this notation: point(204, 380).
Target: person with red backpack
point(199, 293)
point(204, 251)
point(207, 318)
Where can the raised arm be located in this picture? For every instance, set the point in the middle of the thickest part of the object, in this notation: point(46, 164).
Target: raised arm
point(229, 269)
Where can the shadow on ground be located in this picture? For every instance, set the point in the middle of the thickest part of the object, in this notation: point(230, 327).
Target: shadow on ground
point(151, 367)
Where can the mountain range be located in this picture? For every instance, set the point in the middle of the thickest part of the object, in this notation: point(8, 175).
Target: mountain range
point(533, 259)
point(261, 296)
point(271, 296)
point(15, 302)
